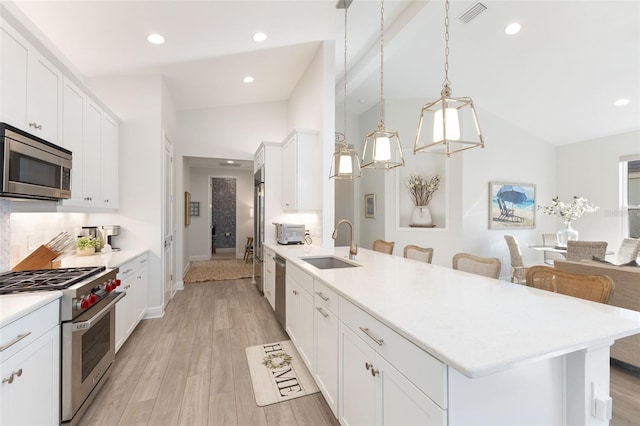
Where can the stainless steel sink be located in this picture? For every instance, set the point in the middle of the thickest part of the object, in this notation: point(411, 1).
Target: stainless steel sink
point(328, 262)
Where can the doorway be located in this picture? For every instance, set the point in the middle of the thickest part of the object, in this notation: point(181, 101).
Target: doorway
point(223, 217)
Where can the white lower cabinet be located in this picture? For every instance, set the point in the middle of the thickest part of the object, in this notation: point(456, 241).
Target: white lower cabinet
point(374, 366)
point(326, 344)
point(30, 369)
point(300, 312)
point(131, 308)
point(269, 277)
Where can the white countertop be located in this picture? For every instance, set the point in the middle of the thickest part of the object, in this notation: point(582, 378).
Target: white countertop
point(477, 325)
point(113, 259)
point(15, 306)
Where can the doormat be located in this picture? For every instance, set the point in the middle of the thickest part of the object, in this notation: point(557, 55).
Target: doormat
point(219, 270)
point(278, 373)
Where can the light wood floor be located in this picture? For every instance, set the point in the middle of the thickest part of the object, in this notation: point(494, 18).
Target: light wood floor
point(190, 368)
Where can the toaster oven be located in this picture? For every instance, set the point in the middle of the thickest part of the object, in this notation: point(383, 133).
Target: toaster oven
point(289, 233)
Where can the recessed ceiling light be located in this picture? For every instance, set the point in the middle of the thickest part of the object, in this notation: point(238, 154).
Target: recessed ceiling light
point(230, 161)
point(155, 38)
point(361, 101)
point(513, 28)
point(248, 79)
point(621, 102)
point(259, 37)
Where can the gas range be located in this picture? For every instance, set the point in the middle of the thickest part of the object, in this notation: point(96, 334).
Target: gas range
point(82, 287)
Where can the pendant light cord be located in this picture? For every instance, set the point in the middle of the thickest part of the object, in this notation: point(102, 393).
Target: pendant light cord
point(381, 125)
point(345, 73)
point(446, 83)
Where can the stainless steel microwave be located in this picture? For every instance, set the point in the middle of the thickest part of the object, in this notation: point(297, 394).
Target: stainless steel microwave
point(32, 167)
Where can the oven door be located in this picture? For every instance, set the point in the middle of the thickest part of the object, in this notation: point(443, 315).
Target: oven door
point(88, 349)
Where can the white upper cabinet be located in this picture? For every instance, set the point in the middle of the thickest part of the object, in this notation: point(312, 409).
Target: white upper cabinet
point(301, 185)
point(31, 87)
point(109, 161)
point(14, 59)
point(73, 106)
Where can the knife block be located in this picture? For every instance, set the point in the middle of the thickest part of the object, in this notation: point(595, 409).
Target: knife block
point(41, 258)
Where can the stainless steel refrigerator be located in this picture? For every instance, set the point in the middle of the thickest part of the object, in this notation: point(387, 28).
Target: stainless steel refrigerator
point(258, 227)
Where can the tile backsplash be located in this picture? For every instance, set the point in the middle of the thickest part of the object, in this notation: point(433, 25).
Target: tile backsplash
point(27, 231)
point(5, 234)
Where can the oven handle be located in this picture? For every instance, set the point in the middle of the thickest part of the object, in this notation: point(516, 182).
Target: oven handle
point(86, 325)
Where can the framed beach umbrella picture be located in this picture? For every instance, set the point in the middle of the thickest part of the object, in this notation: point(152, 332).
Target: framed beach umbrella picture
point(512, 205)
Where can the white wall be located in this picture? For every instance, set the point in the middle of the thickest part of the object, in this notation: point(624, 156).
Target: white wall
point(591, 169)
point(312, 106)
point(137, 100)
point(199, 230)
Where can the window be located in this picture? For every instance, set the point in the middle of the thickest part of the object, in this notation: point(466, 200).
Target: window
point(630, 195)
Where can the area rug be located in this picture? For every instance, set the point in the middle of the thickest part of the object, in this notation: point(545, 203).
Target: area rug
point(278, 373)
point(218, 270)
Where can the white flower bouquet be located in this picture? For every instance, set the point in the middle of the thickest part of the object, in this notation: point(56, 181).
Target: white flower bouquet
point(577, 208)
point(422, 188)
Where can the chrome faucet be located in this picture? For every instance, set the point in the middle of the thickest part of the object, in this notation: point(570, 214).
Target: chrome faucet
point(353, 248)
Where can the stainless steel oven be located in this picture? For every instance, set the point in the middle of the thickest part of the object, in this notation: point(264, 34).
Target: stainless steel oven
point(88, 349)
point(88, 319)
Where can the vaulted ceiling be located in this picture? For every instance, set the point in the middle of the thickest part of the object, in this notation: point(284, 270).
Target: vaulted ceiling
point(557, 78)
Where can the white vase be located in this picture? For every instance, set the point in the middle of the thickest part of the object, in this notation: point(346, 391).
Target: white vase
point(421, 216)
point(566, 233)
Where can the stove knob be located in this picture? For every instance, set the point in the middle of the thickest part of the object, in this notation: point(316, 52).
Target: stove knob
point(84, 303)
point(93, 299)
point(109, 287)
point(117, 282)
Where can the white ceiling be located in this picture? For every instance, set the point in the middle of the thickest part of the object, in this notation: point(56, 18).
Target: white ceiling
point(557, 79)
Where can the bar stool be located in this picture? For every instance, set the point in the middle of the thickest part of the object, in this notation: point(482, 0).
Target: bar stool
point(248, 249)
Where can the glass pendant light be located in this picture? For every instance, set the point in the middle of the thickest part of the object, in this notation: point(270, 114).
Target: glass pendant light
point(345, 164)
point(381, 144)
point(445, 123)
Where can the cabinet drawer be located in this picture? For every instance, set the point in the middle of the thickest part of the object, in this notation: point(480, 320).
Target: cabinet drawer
point(423, 370)
point(302, 278)
point(128, 269)
point(30, 326)
point(325, 296)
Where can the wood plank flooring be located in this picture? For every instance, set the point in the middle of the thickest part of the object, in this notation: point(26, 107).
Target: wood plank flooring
point(189, 368)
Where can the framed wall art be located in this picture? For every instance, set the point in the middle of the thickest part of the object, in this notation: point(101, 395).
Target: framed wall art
point(512, 205)
point(187, 205)
point(370, 205)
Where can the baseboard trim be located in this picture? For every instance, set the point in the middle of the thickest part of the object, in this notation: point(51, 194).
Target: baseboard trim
point(155, 312)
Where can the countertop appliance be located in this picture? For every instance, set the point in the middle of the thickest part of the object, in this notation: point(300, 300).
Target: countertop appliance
point(87, 313)
point(258, 227)
point(289, 233)
point(32, 167)
point(281, 293)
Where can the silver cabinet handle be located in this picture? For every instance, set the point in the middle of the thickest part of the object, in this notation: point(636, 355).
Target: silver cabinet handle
point(366, 331)
point(374, 371)
point(323, 313)
point(368, 365)
point(322, 296)
point(127, 271)
point(14, 341)
point(35, 125)
point(13, 374)
point(295, 292)
point(143, 260)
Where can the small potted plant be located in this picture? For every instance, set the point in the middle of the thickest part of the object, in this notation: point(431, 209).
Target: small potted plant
point(87, 245)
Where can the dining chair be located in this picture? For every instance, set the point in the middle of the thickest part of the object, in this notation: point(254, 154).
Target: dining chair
point(518, 270)
point(423, 254)
point(551, 240)
point(383, 246)
point(586, 250)
point(597, 288)
point(486, 266)
point(628, 251)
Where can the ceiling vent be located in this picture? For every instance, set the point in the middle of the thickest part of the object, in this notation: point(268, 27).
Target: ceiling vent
point(471, 13)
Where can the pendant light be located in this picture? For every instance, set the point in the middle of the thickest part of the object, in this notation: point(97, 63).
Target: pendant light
point(381, 144)
point(345, 164)
point(445, 123)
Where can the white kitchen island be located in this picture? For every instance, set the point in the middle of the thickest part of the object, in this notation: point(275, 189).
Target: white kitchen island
point(424, 343)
